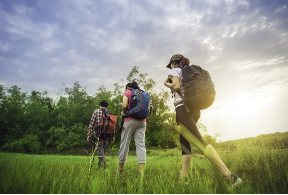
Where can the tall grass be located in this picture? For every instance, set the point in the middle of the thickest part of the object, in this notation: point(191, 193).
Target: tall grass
point(262, 170)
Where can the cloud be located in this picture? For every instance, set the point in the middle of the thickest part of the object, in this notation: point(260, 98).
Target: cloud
point(4, 46)
point(82, 36)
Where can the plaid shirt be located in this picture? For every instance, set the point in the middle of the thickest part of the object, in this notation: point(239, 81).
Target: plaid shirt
point(96, 119)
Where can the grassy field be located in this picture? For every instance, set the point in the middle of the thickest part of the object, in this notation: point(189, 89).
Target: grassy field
point(262, 170)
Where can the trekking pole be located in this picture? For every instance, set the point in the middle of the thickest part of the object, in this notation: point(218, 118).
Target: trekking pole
point(93, 154)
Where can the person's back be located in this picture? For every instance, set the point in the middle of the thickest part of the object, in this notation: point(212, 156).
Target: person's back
point(132, 127)
point(95, 130)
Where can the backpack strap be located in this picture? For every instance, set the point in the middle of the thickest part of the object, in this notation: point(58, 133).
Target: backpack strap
point(97, 128)
point(105, 119)
point(134, 93)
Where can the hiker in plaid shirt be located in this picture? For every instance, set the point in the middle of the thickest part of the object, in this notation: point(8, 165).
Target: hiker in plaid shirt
point(94, 128)
point(95, 121)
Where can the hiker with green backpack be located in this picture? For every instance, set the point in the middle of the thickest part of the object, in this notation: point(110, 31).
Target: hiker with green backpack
point(101, 131)
point(193, 90)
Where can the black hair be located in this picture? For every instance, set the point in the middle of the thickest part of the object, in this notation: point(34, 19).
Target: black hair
point(128, 85)
point(103, 104)
point(133, 85)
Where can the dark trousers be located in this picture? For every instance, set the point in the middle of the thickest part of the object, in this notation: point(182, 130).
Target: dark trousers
point(189, 121)
point(102, 145)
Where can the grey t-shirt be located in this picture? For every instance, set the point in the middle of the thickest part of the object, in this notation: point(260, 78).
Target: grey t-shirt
point(177, 98)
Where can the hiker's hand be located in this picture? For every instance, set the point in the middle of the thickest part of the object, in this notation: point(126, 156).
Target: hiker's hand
point(122, 113)
point(166, 81)
point(113, 140)
point(88, 138)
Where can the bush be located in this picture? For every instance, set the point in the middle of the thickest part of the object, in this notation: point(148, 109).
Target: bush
point(168, 139)
point(61, 147)
point(28, 144)
point(70, 137)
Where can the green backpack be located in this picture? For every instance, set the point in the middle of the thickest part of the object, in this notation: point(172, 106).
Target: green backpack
point(199, 90)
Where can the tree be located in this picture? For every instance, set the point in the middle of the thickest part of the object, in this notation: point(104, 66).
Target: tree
point(79, 105)
point(141, 79)
point(3, 122)
point(38, 115)
point(13, 106)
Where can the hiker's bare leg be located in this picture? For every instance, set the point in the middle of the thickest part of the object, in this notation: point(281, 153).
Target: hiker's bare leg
point(141, 167)
point(121, 166)
point(185, 164)
point(211, 154)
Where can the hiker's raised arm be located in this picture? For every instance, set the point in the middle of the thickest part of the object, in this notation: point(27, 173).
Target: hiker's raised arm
point(175, 85)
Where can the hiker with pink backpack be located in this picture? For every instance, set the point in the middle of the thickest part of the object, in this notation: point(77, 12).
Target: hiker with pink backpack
point(193, 90)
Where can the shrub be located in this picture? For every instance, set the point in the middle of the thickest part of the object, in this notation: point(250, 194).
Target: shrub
point(28, 144)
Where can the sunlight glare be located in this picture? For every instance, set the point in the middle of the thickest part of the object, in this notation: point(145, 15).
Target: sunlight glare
point(244, 106)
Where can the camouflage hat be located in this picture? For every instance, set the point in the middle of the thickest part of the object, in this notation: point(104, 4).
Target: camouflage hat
point(175, 57)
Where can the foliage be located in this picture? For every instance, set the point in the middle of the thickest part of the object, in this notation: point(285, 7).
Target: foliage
point(62, 123)
point(28, 144)
point(64, 138)
point(12, 108)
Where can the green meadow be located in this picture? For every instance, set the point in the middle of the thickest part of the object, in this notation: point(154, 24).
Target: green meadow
point(37, 124)
point(262, 170)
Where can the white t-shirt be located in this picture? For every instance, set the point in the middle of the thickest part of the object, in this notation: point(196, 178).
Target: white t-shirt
point(177, 72)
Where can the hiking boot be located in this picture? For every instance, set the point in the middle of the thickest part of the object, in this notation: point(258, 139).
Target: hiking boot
point(102, 163)
point(236, 181)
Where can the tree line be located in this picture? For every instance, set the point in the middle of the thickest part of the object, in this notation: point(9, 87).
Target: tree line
point(31, 123)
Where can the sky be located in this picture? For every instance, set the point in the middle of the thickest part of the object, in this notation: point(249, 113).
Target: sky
point(243, 44)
